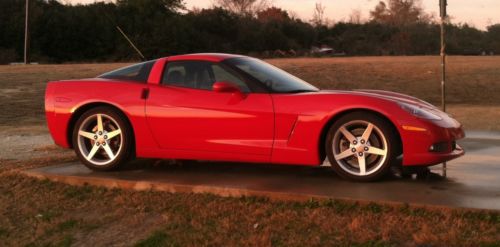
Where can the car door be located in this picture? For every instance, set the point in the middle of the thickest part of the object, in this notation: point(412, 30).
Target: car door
point(184, 113)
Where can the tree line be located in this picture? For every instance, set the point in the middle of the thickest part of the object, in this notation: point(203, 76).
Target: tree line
point(87, 33)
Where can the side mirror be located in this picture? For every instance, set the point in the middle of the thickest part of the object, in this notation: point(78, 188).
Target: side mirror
point(225, 87)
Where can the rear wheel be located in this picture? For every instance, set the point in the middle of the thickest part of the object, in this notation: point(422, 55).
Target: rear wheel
point(102, 139)
point(361, 146)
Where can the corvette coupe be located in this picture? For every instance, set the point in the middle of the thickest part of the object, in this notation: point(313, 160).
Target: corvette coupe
point(226, 107)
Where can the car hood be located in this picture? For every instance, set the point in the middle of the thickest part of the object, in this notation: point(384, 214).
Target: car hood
point(386, 95)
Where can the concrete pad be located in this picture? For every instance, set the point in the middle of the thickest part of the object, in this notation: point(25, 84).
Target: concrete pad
point(473, 181)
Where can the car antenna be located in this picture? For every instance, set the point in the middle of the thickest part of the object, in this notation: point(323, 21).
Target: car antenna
point(131, 43)
point(124, 35)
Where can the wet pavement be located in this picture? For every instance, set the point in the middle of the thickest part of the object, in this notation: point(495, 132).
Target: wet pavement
point(472, 181)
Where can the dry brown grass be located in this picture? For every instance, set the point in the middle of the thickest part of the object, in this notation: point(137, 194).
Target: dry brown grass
point(471, 80)
point(474, 83)
point(477, 117)
point(22, 88)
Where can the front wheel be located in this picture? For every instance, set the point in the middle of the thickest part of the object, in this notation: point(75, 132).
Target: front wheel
point(361, 146)
point(102, 139)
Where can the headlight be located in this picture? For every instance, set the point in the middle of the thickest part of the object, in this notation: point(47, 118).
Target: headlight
point(419, 112)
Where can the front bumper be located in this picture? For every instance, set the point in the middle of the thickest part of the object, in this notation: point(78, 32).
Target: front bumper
point(434, 143)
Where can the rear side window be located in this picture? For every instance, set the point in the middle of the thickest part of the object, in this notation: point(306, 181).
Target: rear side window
point(137, 72)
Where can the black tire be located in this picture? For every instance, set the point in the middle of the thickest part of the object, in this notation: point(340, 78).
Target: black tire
point(383, 166)
point(125, 151)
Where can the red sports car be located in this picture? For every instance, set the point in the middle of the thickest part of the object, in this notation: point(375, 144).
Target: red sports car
point(236, 108)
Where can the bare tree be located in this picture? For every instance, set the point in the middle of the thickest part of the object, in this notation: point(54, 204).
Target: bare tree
point(195, 10)
point(380, 13)
point(356, 16)
point(319, 15)
point(293, 15)
point(243, 7)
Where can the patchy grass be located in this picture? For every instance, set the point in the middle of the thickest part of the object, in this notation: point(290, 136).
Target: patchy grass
point(473, 83)
point(35, 212)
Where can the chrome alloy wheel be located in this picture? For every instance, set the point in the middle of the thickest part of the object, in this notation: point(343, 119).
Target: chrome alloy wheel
point(360, 148)
point(100, 139)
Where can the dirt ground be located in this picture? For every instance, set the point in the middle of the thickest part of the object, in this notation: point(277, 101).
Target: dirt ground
point(42, 213)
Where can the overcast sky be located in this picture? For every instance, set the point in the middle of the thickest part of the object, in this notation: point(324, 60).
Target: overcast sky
point(479, 13)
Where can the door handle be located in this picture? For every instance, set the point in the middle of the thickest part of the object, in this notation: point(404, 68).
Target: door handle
point(145, 93)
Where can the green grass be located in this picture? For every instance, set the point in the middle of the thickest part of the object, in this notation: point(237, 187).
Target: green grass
point(67, 225)
point(158, 238)
point(3, 232)
point(78, 193)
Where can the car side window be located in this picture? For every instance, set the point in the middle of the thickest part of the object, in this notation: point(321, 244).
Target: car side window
point(175, 74)
point(198, 75)
point(222, 75)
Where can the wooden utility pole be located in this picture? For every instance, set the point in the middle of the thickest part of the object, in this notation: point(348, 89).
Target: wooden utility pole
point(27, 34)
point(442, 5)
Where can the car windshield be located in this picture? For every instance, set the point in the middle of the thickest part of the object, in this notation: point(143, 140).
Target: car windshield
point(276, 79)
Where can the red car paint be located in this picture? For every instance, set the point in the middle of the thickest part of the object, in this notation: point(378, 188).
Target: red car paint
point(183, 123)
